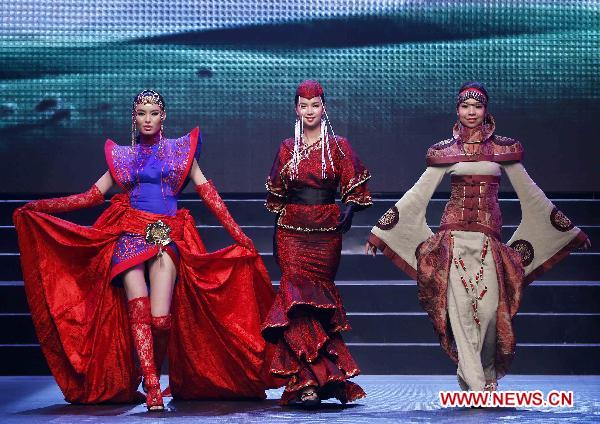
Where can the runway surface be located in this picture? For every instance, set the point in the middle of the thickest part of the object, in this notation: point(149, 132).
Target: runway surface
point(390, 399)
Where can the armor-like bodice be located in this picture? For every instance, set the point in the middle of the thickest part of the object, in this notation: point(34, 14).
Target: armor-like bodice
point(473, 205)
point(153, 175)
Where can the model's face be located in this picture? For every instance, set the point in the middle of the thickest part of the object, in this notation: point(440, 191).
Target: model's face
point(310, 110)
point(471, 113)
point(148, 119)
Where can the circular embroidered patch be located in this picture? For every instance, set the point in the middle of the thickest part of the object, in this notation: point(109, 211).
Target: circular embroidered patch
point(443, 144)
point(389, 219)
point(560, 221)
point(503, 141)
point(525, 249)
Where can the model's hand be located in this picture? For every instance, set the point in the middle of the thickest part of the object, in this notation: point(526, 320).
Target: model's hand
point(245, 241)
point(586, 244)
point(345, 219)
point(370, 249)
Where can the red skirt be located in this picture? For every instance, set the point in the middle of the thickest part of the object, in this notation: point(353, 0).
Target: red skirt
point(216, 350)
point(307, 317)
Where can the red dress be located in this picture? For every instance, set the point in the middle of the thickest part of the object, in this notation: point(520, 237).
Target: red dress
point(308, 315)
point(215, 349)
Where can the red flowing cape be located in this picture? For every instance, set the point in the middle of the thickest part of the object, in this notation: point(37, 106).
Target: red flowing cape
point(215, 349)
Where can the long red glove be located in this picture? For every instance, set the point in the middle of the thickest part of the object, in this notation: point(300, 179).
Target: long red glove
point(92, 197)
point(208, 193)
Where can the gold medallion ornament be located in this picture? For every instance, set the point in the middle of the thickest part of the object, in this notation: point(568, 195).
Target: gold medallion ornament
point(560, 221)
point(157, 233)
point(389, 219)
point(525, 249)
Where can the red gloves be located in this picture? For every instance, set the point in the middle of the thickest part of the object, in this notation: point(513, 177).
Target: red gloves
point(208, 193)
point(92, 197)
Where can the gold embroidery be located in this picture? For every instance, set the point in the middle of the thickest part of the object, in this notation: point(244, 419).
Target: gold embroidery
point(272, 189)
point(302, 229)
point(304, 152)
point(360, 179)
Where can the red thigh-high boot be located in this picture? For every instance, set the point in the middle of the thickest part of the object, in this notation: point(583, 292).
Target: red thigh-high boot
point(161, 328)
point(140, 322)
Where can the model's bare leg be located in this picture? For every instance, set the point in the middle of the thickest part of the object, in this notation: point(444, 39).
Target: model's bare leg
point(163, 274)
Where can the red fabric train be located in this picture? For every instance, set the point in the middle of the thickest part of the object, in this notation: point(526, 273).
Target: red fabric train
point(220, 299)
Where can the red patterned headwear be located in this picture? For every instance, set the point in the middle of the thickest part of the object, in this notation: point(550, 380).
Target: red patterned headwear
point(309, 89)
point(472, 93)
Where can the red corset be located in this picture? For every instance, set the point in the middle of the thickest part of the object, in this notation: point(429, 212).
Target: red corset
point(473, 205)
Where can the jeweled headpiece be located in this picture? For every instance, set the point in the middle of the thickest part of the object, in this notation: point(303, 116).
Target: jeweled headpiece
point(309, 89)
point(472, 93)
point(147, 97)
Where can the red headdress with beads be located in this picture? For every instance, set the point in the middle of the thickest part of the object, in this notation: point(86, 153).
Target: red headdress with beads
point(309, 89)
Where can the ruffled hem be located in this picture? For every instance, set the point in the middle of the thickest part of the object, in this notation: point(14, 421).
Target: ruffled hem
point(328, 371)
point(362, 178)
point(296, 297)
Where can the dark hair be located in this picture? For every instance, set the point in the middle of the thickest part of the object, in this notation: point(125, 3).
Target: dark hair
point(297, 99)
point(474, 84)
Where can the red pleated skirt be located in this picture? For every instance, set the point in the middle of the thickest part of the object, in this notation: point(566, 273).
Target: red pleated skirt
point(307, 317)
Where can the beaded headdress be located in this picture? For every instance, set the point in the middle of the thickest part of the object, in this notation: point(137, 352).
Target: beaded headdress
point(147, 97)
point(472, 93)
point(309, 89)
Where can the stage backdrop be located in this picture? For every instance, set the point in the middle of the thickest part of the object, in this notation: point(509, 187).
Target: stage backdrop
point(69, 70)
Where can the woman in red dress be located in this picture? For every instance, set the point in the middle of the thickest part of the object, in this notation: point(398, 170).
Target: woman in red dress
point(88, 287)
point(307, 316)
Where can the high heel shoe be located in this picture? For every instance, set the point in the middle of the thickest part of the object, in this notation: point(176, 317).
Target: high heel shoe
point(309, 397)
point(154, 400)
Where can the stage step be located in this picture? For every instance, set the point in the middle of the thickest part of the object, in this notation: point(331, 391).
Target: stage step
point(215, 237)
point(558, 321)
point(385, 358)
point(583, 211)
point(396, 327)
point(579, 266)
point(388, 297)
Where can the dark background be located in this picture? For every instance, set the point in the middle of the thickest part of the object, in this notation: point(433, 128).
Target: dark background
point(390, 70)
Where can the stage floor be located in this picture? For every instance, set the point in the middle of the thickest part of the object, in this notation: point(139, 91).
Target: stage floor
point(390, 399)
